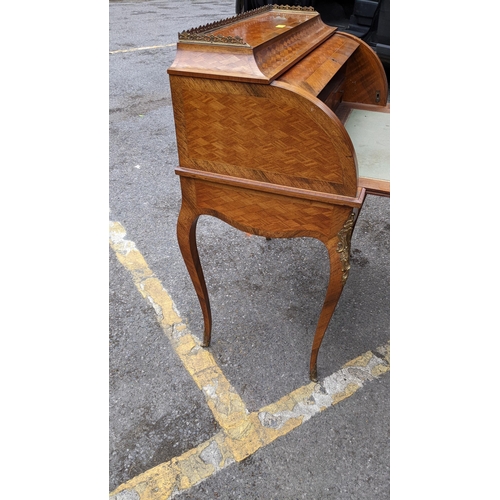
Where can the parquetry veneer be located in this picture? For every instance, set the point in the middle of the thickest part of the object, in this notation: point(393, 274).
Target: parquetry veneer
point(282, 129)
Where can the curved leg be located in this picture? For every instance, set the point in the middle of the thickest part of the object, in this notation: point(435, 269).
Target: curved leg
point(186, 236)
point(338, 253)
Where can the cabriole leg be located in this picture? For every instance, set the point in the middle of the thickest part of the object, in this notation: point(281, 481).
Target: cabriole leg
point(186, 236)
point(338, 253)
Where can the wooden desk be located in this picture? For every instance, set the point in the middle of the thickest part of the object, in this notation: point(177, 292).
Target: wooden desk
point(282, 128)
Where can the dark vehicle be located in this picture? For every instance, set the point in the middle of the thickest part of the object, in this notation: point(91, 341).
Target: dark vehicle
point(366, 19)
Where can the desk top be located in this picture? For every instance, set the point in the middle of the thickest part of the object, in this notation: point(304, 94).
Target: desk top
point(260, 28)
point(370, 134)
point(256, 46)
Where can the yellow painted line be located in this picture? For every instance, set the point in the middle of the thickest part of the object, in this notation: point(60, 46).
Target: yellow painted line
point(228, 408)
point(143, 48)
point(242, 433)
point(269, 423)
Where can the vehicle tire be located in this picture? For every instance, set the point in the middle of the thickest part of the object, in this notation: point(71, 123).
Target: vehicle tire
point(255, 4)
point(240, 6)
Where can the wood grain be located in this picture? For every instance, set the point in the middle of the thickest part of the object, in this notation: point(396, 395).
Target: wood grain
point(263, 133)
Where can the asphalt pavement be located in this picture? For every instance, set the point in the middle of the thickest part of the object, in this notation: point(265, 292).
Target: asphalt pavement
point(241, 418)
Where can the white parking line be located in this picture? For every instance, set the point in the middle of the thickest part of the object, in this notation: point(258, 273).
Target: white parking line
point(143, 48)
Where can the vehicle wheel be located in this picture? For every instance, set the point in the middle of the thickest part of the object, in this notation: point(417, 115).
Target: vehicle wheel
point(240, 4)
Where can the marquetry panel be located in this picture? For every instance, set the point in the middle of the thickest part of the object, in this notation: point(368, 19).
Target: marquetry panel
point(365, 80)
point(262, 27)
point(314, 71)
point(254, 47)
point(261, 133)
point(236, 130)
point(264, 214)
point(290, 47)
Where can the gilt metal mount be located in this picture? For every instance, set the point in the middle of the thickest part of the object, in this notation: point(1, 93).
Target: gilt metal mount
point(344, 246)
point(202, 33)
